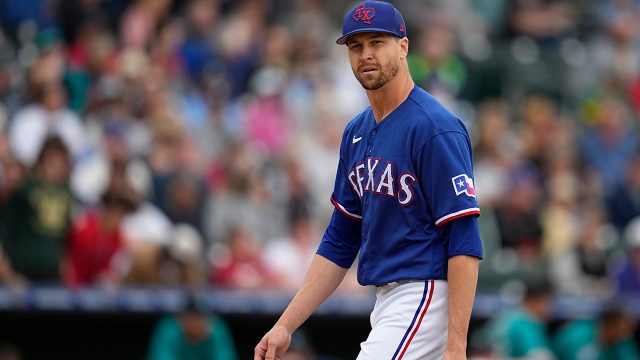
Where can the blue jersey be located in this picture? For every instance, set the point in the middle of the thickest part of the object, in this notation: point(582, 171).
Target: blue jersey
point(403, 179)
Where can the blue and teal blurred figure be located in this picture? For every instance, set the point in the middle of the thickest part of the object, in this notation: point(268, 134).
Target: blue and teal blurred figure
point(522, 332)
point(192, 334)
point(609, 337)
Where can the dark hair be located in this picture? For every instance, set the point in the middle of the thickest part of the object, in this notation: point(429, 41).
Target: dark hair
point(124, 198)
point(611, 315)
point(536, 289)
point(52, 144)
point(195, 304)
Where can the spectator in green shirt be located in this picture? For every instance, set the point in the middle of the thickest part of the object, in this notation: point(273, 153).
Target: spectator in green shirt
point(522, 332)
point(38, 215)
point(193, 334)
point(610, 337)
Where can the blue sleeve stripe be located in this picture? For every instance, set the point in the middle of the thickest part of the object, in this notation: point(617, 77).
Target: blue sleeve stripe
point(458, 214)
point(344, 211)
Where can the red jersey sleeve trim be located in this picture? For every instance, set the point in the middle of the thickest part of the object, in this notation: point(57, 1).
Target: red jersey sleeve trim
point(456, 215)
point(344, 211)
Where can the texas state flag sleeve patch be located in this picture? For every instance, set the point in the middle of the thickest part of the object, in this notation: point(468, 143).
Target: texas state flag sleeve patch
point(463, 184)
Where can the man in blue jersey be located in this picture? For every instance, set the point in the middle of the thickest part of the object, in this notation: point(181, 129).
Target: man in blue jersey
point(405, 199)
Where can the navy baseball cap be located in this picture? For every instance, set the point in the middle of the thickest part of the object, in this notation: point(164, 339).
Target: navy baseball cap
point(372, 16)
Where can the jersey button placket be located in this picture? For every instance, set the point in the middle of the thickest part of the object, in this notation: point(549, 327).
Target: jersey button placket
point(372, 133)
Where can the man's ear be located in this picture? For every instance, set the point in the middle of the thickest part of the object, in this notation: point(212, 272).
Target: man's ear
point(404, 47)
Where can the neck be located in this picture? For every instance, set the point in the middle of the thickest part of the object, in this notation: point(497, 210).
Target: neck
point(387, 98)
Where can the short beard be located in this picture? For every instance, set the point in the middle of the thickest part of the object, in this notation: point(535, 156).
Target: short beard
point(388, 72)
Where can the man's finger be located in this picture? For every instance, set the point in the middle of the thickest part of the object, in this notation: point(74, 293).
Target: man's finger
point(259, 352)
point(271, 351)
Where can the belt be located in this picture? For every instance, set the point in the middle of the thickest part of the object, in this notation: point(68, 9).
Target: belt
point(400, 282)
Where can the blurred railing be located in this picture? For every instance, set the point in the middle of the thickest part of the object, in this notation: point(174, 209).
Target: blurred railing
point(150, 300)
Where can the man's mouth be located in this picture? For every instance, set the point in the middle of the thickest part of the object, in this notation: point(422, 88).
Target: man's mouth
point(368, 69)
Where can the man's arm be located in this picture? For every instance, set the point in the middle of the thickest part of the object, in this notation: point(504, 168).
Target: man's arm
point(462, 279)
point(323, 277)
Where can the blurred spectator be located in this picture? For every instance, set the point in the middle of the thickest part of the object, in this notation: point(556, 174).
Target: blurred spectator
point(539, 117)
point(610, 337)
point(95, 238)
point(146, 231)
point(495, 151)
point(290, 257)
point(624, 202)
point(582, 269)
point(181, 262)
point(517, 218)
point(197, 51)
point(616, 336)
point(239, 40)
point(542, 19)
point(37, 225)
point(193, 333)
point(614, 58)
point(433, 63)
point(240, 265)
point(243, 198)
point(522, 332)
point(609, 146)
point(140, 21)
point(11, 173)
point(9, 91)
point(46, 116)
point(181, 196)
point(628, 273)
point(113, 153)
point(298, 199)
point(267, 124)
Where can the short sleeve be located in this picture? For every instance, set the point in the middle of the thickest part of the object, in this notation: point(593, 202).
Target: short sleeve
point(446, 172)
point(341, 240)
point(344, 196)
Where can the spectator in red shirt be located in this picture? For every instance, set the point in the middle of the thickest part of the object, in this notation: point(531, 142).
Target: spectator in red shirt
point(95, 238)
point(239, 266)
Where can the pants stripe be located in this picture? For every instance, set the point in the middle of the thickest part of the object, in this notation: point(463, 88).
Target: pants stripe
point(413, 321)
point(419, 321)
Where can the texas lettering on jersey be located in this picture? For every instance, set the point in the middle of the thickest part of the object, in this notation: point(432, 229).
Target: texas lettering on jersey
point(377, 178)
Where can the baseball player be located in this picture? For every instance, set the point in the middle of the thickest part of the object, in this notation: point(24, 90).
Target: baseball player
point(404, 199)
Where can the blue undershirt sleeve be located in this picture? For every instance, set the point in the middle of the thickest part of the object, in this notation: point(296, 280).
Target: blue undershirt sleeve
point(464, 237)
point(341, 241)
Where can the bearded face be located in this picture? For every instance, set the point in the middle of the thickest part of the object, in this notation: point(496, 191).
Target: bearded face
point(375, 59)
point(374, 76)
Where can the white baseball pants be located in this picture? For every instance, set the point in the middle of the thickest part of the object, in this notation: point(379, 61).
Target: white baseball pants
point(409, 322)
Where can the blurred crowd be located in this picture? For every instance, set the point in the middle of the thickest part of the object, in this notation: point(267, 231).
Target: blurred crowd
point(195, 142)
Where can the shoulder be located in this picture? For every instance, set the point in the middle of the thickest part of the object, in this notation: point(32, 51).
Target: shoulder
point(27, 117)
point(429, 117)
point(168, 325)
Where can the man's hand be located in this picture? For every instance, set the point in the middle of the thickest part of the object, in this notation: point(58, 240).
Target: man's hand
point(273, 345)
point(322, 279)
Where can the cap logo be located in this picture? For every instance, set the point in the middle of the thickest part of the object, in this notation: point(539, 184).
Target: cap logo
point(401, 28)
point(364, 13)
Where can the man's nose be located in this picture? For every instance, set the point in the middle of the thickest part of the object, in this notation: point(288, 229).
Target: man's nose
point(367, 53)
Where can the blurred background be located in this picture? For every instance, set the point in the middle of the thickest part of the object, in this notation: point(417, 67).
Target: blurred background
point(166, 167)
